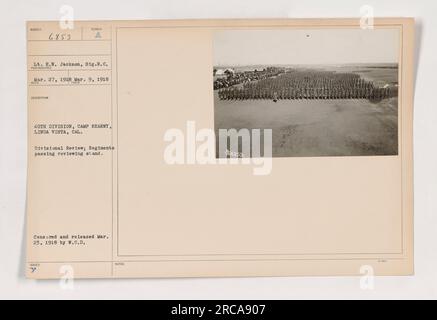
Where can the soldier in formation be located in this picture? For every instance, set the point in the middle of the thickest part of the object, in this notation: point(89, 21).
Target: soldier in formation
point(309, 84)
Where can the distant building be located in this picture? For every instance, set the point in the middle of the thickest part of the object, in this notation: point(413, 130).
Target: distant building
point(223, 72)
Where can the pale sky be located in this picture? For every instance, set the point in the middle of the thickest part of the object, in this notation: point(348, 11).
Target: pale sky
point(310, 46)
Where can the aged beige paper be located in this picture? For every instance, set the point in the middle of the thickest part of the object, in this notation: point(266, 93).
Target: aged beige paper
point(124, 115)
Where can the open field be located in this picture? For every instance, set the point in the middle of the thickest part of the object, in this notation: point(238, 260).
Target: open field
point(378, 75)
point(308, 128)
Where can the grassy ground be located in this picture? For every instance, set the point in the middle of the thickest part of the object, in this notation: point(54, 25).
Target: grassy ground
point(317, 127)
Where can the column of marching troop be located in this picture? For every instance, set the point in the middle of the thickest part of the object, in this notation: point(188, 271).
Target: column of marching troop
point(307, 85)
point(244, 77)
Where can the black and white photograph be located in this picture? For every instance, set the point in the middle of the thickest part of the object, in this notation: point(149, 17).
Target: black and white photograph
point(322, 92)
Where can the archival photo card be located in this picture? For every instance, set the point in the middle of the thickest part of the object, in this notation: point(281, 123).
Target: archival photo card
point(321, 92)
point(128, 176)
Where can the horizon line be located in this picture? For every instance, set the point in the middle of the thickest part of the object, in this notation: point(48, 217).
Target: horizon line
point(304, 64)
